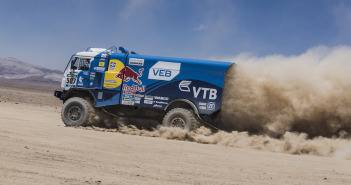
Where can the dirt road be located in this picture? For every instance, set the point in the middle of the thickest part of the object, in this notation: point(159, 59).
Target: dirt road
point(36, 148)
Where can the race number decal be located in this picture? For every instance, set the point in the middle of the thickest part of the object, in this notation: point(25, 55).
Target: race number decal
point(71, 79)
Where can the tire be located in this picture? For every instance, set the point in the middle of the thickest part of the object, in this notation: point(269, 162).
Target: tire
point(77, 112)
point(182, 118)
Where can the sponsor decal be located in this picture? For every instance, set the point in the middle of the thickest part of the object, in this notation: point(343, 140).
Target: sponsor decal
point(131, 96)
point(100, 95)
point(80, 81)
point(91, 83)
point(128, 92)
point(164, 70)
point(108, 86)
point(157, 106)
point(147, 97)
point(211, 106)
point(127, 102)
point(161, 102)
point(92, 76)
point(161, 98)
point(201, 92)
point(101, 63)
point(110, 81)
point(128, 99)
point(112, 66)
point(102, 59)
point(207, 93)
point(99, 68)
point(71, 76)
point(203, 107)
point(129, 74)
point(103, 55)
point(148, 102)
point(137, 98)
point(85, 73)
point(184, 86)
point(207, 106)
point(71, 79)
point(135, 88)
point(202, 103)
point(136, 61)
point(68, 85)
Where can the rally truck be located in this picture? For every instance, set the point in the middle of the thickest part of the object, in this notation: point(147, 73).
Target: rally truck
point(175, 91)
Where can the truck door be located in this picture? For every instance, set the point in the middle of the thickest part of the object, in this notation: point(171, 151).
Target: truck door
point(98, 67)
point(108, 79)
point(83, 71)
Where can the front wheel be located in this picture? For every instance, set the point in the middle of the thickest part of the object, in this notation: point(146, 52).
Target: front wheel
point(77, 112)
point(182, 118)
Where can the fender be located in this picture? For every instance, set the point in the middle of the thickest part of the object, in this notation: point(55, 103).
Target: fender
point(193, 106)
point(78, 92)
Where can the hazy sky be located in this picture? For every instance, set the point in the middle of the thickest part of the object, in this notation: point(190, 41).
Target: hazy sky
point(48, 32)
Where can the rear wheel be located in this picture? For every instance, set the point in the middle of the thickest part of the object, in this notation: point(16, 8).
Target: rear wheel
point(182, 118)
point(77, 112)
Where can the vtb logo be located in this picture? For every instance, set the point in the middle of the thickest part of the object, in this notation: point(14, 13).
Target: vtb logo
point(201, 92)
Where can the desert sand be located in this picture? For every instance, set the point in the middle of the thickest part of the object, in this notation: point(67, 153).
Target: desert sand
point(37, 148)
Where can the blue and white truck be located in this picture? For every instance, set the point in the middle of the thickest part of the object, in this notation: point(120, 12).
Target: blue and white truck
point(177, 92)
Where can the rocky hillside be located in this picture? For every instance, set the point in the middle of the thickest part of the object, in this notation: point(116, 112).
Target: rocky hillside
point(14, 69)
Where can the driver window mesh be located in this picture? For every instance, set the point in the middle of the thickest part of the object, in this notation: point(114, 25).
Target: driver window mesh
point(84, 64)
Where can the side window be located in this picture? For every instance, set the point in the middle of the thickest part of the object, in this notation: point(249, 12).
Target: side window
point(74, 63)
point(84, 64)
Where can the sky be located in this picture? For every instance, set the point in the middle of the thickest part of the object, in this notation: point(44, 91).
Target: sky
point(48, 32)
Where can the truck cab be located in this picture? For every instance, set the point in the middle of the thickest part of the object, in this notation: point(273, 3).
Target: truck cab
point(177, 92)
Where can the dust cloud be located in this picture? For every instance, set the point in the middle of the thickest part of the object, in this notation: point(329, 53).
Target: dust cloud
point(272, 95)
point(290, 143)
point(296, 105)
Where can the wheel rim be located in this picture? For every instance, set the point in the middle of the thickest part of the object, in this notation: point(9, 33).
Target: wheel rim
point(74, 113)
point(178, 122)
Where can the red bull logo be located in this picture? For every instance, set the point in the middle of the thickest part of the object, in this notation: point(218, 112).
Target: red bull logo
point(127, 74)
point(132, 89)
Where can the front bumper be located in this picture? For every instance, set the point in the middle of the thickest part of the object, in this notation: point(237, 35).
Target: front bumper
point(59, 94)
